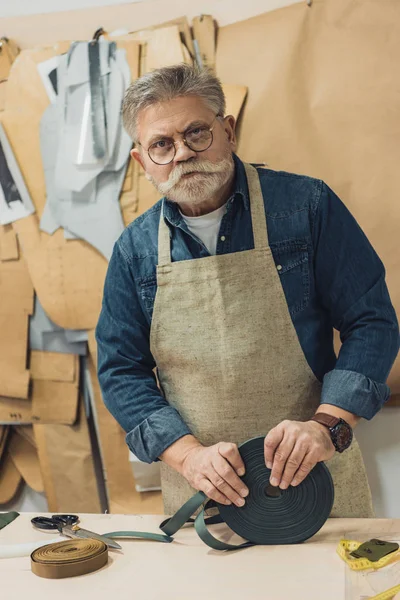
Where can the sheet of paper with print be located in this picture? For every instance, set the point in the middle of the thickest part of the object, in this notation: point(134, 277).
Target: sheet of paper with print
point(15, 201)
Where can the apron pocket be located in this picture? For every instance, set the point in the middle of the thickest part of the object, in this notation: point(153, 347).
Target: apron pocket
point(292, 264)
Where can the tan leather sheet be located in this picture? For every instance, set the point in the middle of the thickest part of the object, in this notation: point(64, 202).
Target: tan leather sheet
point(10, 478)
point(121, 491)
point(25, 458)
point(51, 400)
point(323, 101)
point(66, 463)
point(16, 304)
point(8, 243)
point(204, 32)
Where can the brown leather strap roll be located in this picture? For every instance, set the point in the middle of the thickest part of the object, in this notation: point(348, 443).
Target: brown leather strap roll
point(69, 558)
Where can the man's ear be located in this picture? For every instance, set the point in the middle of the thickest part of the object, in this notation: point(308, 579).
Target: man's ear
point(135, 153)
point(230, 129)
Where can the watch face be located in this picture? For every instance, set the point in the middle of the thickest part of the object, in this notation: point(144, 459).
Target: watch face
point(343, 435)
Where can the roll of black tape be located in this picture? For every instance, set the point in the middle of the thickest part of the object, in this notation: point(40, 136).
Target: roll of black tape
point(270, 515)
point(292, 516)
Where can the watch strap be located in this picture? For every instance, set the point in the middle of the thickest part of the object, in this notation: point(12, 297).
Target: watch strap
point(325, 419)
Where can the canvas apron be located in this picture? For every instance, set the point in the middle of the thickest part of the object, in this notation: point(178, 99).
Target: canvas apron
point(229, 359)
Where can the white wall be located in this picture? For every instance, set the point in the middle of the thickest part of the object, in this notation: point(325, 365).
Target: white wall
point(379, 440)
point(224, 11)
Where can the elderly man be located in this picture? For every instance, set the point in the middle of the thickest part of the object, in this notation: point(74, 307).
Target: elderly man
point(231, 286)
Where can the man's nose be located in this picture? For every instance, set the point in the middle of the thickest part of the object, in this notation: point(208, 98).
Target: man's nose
point(183, 152)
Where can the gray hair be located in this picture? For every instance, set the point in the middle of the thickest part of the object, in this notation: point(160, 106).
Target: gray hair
point(167, 83)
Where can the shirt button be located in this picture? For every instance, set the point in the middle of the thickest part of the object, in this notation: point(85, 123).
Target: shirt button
point(279, 267)
point(222, 238)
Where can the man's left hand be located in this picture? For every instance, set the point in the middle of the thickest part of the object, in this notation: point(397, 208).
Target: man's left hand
point(293, 448)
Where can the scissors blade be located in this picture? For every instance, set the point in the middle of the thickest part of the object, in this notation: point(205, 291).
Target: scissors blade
point(85, 534)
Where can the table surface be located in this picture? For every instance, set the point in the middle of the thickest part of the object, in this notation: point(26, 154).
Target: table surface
point(187, 568)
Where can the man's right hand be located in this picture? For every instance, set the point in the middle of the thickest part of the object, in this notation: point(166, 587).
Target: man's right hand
point(215, 470)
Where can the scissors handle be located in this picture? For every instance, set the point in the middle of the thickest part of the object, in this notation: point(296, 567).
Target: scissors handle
point(56, 521)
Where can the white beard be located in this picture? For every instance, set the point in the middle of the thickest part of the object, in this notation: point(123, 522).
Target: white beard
point(199, 187)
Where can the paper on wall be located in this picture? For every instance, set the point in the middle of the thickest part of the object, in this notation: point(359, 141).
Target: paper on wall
point(15, 201)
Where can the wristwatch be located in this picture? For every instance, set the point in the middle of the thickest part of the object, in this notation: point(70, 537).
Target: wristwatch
point(341, 433)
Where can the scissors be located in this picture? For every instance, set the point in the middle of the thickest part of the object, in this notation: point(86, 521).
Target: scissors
point(67, 525)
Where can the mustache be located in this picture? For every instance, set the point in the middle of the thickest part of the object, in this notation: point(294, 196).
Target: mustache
point(198, 166)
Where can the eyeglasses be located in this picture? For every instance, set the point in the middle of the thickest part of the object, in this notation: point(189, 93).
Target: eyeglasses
point(197, 139)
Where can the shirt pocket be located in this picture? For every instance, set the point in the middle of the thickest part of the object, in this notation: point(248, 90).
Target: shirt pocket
point(293, 267)
point(148, 290)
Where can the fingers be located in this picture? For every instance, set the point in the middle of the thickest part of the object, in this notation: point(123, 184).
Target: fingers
point(294, 448)
point(281, 456)
point(231, 453)
point(211, 492)
point(294, 462)
point(306, 466)
point(271, 442)
point(225, 479)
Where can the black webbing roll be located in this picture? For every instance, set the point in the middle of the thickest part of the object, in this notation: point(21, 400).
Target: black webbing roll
point(291, 517)
point(295, 515)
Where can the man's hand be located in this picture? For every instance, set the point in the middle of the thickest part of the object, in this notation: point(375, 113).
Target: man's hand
point(293, 448)
point(215, 471)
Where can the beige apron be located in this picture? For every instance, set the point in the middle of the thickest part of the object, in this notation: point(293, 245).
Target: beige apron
point(229, 359)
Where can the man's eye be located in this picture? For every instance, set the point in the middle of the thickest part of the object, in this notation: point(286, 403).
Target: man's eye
point(196, 131)
point(160, 144)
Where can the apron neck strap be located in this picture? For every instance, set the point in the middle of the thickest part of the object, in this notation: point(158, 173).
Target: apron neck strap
point(258, 217)
point(164, 243)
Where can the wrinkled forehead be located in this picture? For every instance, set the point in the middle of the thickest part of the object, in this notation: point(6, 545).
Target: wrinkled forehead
point(173, 117)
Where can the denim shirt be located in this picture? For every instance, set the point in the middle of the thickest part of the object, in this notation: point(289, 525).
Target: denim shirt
point(331, 276)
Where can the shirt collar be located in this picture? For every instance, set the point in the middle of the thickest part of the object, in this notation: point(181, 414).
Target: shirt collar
point(240, 192)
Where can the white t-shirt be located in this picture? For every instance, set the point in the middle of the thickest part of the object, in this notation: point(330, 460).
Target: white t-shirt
point(206, 227)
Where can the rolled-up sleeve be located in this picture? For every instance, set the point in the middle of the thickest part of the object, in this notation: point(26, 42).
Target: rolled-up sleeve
point(350, 281)
point(126, 367)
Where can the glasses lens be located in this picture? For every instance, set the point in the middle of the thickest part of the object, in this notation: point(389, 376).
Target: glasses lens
point(199, 139)
point(162, 152)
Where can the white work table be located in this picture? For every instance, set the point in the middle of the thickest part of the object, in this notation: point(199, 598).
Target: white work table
point(186, 568)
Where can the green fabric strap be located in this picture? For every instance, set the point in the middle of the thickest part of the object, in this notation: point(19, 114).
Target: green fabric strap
point(203, 533)
point(182, 516)
point(7, 518)
point(157, 537)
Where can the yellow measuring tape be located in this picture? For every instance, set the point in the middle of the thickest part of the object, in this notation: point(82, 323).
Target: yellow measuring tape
point(362, 564)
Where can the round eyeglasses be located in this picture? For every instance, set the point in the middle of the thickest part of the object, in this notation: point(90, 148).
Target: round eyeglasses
point(197, 138)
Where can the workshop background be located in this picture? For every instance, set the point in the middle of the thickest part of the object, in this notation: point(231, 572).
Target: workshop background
point(316, 88)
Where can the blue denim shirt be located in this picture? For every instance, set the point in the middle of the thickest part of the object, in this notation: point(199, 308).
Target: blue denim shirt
point(331, 277)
